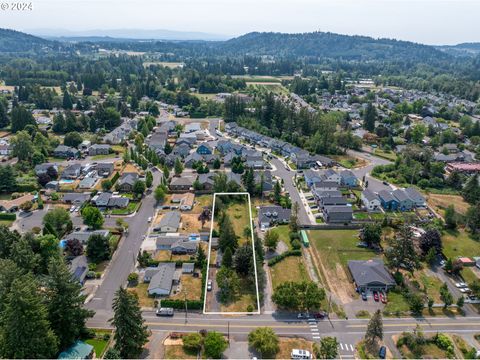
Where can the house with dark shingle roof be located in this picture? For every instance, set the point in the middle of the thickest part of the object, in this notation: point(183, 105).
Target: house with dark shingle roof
point(161, 279)
point(273, 215)
point(126, 181)
point(417, 198)
point(370, 200)
point(348, 178)
point(404, 202)
point(338, 214)
point(370, 275)
point(169, 223)
point(388, 201)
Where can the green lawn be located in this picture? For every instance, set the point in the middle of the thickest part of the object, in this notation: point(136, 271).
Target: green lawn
point(459, 243)
point(397, 304)
point(389, 155)
point(131, 208)
point(283, 234)
point(99, 346)
point(292, 268)
point(338, 246)
point(360, 215)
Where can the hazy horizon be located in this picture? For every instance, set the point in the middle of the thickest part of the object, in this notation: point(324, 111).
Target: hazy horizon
point(435, 22)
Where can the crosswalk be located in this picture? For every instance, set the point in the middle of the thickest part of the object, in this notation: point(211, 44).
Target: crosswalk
point(343, 347)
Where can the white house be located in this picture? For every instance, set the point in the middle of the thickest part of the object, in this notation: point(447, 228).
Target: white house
point(370, 200)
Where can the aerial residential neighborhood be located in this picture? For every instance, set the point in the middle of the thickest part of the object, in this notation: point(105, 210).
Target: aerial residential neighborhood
point(173, 194)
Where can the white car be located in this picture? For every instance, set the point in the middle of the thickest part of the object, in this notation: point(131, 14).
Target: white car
point(464, 290)
point(460, 285)
point(149, 219)
point(209, 285)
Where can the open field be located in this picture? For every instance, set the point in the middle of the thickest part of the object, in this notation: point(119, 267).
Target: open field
point(440, 202)
point(459, 243)
point(333, 249)
point(168, 64)
point(291, 268)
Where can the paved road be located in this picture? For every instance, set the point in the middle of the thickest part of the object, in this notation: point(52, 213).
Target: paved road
point(373, 184)
point(348, 332)
point(125, 257)
point(287, 176)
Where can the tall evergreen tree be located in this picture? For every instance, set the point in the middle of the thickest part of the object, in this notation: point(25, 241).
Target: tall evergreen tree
point(227, 237)
point(374, 331)
point(370, 117)
point(130, 332)
point(4, 120)
point(65, 303)
point(471, 191)
point(25, 331)
point(67, 101)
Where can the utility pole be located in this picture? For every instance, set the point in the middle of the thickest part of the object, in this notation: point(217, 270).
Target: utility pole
point(329, 309)
point(228, 333)
point(186, 307)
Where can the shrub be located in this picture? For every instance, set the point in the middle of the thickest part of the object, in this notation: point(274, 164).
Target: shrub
point(133, 278)
point(296, 245)
point(192, 342)
point(8, 216)
point(279, 258)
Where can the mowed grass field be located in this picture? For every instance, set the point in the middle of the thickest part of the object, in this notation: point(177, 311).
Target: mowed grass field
point(291, 268)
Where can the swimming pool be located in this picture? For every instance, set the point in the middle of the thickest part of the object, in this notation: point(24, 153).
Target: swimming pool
point(66, 181)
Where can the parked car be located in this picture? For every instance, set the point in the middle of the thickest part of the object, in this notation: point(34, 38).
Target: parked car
point(149, 219)
point(382, 353)
point(375, 296)
point(209, 285)
point(364, 296)
point(303, 315)
point(383, 297)
point(164, 312)
point(464, 290)
point(385, 183)
point(320, 315)
point(460, 285)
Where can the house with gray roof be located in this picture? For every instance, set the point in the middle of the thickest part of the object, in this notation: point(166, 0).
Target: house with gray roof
point(126, 181)
point(182, 183)
point(72, 171)
point(370, 200)
point(99, 149)
point(338, 214)
point(104, 169)
point(415, 196)
point(404, 201)
point(87, 182)
point(188, 268)
point(78, 267)
point(273, 215)
point(370, 275)
point(348, 179)
point(169, 223)
point(161, 279)
point(83, 236)
point(76, 199)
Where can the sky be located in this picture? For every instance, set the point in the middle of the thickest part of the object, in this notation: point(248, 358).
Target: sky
point(424, 21)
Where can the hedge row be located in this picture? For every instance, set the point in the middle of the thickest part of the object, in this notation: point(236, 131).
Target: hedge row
point(279, 258)
point(115, 177)
point(8, 216)
point(180, 304)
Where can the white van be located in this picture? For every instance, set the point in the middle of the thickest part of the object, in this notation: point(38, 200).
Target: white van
point(300, 354)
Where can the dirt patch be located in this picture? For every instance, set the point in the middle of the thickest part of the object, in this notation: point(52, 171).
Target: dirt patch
point(130, 168)
point(191, 224)
point(190, 287)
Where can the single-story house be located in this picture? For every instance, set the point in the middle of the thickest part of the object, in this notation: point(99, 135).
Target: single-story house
point(43, 168)
point(160, 279)
point(370, 200)
point(87, 182)
point(79, 268)
point(83, 236)
point(370, 275)
point(170, 222)
point(72, 171)
point(76, 199)
point(99, 149)
point(14, 205)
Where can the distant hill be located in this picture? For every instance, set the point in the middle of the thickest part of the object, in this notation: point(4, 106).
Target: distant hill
point(12, 41)
point(330, 45)
point(464, 49)
point(125, 34)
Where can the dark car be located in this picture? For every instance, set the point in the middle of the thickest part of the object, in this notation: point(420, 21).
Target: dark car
point(364, 296)
point(375, 296)
point(303, 315)
point(320, 315)
point(382, 353)
point(385, 183)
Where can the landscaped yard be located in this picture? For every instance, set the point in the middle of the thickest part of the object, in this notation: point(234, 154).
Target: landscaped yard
point(397, 304)
point(131, 208)
point(291, 268)
point(100, 341)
